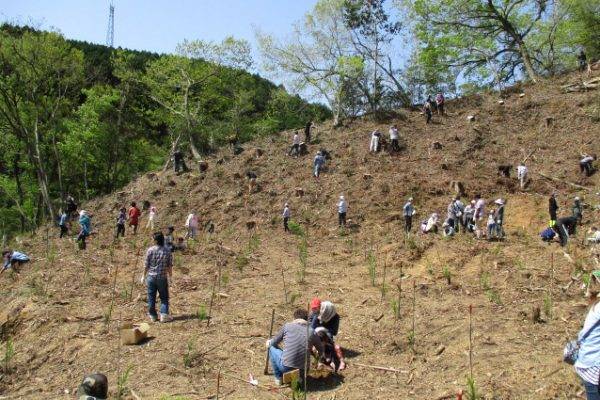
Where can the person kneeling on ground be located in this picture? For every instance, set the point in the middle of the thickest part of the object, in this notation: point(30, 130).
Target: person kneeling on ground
point(329, 319)
point(430, 225)
point(13, 259)
point(595, 235)
point(329, 358)
point(93, 387)
point(586, 164)
point(158, 271)
point(295, 341)
point(448, 229)
point(548, 234)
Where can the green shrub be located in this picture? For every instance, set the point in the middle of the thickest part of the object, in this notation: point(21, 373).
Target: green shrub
point(296, 228)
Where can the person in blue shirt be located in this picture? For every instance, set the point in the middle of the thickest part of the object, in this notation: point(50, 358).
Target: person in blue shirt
point(85, 223)
point(63, 224)
point(13, 259)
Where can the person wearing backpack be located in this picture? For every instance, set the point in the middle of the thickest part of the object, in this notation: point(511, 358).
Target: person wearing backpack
point(587, 365)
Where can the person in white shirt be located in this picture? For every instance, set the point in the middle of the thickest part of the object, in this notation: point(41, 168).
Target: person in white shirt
point(394, 138)
point(595, 235)
point(286, 217)
point(522, 172)
point(431, 225)
point(479, 208)
point(151, 218)
point(374, 147)
point(295, 149)
point(342, 210)
point(191, 224)
point(586, 164)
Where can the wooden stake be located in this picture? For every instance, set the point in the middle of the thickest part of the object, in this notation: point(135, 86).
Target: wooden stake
point(383, 284)
point(381, 368)
point(266, 371)
point(307, 353)
point(284, 287)
point(212, 296)
point(414, 306)
point(218, 382)
point(471, 340)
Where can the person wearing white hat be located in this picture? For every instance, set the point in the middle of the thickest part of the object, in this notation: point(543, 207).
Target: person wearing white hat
point(499, 217)
point(286, 217)
point(408, 211)
point(342, 207)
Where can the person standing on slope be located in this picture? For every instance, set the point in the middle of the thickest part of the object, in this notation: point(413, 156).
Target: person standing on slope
point(342, 208)
point(63, 224)
point(439, 101)
point(427, 110)
point(578, 210)
point(85, 224)
point(374, 147)
point(191, 223)
point(318, 163)
point(295, 149)
point(394, 138)
point(522, 173)
point(479, 208)
point(134, 217)
point(286, 217)
point(151, 218)
point(408, 211)
point(553, 206)
point(158, 271)
point(307, 131)
point(121, 218)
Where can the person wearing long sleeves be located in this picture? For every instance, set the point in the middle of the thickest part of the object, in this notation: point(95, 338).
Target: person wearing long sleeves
point(295, 149)
point(374, 146)
point(479, 208)
point(318, 163)
point(522, 173)
point(578, 210)
point(191, 223)
point(158, 271)
point(85, 224)
point(329, 319)
point(587, 365)
point(296, 345)
point(408, 211)
point(552, 206)
point(499, 217)
point(342, 207)
point(286, 217)
point(63, 224)
point(13, 259)
point(394, 138)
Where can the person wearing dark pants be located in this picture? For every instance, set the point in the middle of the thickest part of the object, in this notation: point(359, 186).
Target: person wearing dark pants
point(286, 217)
point(121, 218)
point(158, 270)
point(295, 149)
point(578, 210)
point(179, 162)
point(307, 132)
point(342, 210)
point(62, 224)
point(85, 225)
point(408, 211)
point(587, 365)
point(13, 259)
point(586, 164)
point(561, 230)
point(552, 206)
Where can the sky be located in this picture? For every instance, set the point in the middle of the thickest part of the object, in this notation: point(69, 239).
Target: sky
point(157, 25)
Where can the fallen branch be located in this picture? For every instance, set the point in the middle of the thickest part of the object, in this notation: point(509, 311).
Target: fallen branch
point(381, 368)
point(551, 178)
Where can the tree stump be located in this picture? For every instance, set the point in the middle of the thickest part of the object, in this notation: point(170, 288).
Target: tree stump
point(202, 166)
point(299, 192)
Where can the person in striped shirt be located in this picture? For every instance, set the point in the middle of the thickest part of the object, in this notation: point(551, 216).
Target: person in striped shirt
point(296, 346)
point(587, 365)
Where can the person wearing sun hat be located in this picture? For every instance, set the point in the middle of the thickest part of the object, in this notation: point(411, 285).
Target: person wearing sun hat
point(329, 319)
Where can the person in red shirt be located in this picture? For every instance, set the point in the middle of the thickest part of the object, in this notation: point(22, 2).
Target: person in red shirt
point(134, 217)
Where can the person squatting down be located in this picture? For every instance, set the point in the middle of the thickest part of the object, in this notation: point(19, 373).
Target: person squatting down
point(325, 320)
point(431, 224)
point(586, 164)
point(295, 341)
point(13, 259)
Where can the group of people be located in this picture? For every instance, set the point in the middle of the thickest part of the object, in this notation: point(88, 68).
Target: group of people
point(313, 333)
point(375, 144)
point(430, 106)
point(460, 217)
point(564, 227)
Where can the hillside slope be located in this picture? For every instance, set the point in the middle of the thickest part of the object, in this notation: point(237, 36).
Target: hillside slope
point(63, 311)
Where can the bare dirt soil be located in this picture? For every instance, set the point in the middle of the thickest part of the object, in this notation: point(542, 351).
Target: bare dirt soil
point(63, 311)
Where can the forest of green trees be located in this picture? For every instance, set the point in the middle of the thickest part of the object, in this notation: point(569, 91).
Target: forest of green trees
point(84, 119)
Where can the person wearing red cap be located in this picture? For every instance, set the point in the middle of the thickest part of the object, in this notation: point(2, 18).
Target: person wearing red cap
point(315, 308)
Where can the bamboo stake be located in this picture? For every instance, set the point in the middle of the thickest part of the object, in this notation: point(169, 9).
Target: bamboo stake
point(381, 368)
point(266, 371)
point(212, 296)
point(284, 287)
point(218, 382)
point(383, 284)
point(471, 340)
